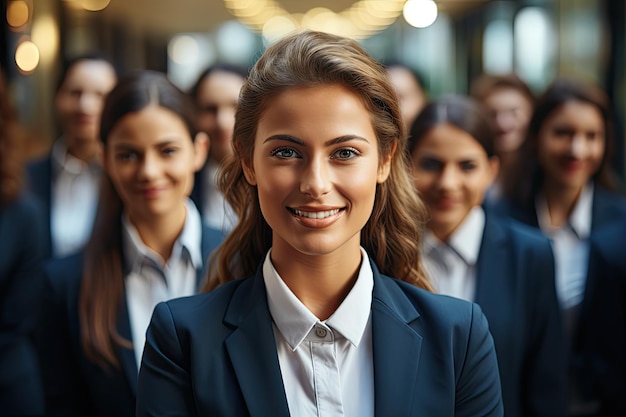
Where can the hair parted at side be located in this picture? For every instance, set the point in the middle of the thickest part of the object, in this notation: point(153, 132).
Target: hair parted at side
point(102, 286)
point(308, 58)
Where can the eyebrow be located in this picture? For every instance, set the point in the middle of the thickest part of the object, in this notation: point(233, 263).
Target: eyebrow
point(166, 142)
point(335, 141)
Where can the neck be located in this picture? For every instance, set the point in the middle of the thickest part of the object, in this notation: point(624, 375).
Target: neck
point(561, 201)
point(159, 233)
point(320, 282)
point(85, 150)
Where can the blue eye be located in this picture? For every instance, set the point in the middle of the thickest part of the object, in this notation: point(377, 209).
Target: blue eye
point(284, 153)
point(345, 153)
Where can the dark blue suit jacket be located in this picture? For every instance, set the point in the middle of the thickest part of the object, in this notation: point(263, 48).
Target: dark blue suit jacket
point(516, 291)
point(21, 295)
point(39, 179)
point(76, 386)
point(594, 324)
point(603, 321)
point(214, 354)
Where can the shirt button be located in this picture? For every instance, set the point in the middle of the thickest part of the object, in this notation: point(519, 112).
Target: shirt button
point(320, 332)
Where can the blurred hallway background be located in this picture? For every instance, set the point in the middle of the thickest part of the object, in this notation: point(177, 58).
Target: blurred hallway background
point(537, 39)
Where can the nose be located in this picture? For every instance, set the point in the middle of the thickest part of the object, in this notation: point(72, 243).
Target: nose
point(449, 178)
point(226, 119)
point(578, 145)
point(315, 181)
point(89, 103)
point(148, 168)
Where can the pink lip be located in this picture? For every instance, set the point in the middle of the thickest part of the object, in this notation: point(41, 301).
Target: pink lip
point(300, 214)
point(151, 192)
point(444, 203)
point(572, 165)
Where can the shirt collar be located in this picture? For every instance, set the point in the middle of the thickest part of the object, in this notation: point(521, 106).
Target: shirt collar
point(465, 240)
point(295, 321)
point(189, 240)
point(580, 218)
point(65, 162)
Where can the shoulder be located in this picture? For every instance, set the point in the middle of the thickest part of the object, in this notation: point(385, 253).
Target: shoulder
point(63, 275)
point(205, 309)
point(608, 204)
point(441, 310)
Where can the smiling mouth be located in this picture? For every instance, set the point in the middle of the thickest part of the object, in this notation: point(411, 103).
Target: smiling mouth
point(315, 214)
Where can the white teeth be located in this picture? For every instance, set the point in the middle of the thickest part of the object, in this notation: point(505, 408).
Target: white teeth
point(316, 214)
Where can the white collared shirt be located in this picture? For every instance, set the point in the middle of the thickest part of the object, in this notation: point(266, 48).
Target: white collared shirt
point(74, 200)
point(218, 214)
point(149, 280)
point(451, 265)
point(570, 244)
point(327, 366)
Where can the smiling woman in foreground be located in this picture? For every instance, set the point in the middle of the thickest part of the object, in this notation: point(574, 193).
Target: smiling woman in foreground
point(303, 318)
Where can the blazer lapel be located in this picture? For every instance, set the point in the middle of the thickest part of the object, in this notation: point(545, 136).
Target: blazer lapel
point(127, 356)
point(252, 350)
point(491, 268)
point(393, 339)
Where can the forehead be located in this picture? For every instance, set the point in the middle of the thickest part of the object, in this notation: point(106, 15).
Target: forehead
point(220, 84)
point(577, 113)
point(152, 121)
point(448, 142)
point(91, 74)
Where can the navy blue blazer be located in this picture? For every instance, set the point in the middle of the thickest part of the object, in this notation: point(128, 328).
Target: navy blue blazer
point(74, 385)
point(608, 211)
point(39, 180)
point(602, 354)
point(21, 295)
point(214, 354)
point(515, 289)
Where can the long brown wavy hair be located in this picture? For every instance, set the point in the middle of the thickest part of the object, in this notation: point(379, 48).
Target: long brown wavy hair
point(102, 286)
point(392, 234)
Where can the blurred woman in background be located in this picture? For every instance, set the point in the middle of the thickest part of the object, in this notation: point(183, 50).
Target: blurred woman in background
point(148, 245)
point(505, 267)
point(567, 190)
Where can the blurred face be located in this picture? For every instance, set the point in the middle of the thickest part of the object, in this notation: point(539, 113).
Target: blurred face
point(316, 166)
point(151, 159)
point(571, 145)
point(510, 111)
point(410, 95)
point(217, 102)
point(451, 170)
point(80, 99)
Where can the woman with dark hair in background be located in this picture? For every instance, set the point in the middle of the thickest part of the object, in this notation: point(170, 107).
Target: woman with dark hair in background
point(505, 267)
point(21, 278)
point(567, 190)
point(66, 180)
point(509, 101)
point(215, 94)
point(148, 245)
point(301, 321)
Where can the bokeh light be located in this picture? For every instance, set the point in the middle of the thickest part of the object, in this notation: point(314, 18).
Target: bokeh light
point(17, 13)
point(420, 13)
point(27, 56)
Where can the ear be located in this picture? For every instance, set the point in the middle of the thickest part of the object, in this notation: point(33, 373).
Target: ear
point(201, 150)
point(385, 165)
point(248, 172)
point(494, 167)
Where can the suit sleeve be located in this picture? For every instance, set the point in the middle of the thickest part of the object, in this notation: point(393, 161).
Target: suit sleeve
point(65, 389)
point(21, 292)
point(164, 386)
point(545, 365)
point(478, 391)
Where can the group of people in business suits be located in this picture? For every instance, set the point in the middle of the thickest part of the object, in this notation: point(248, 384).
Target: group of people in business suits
point(320, 297)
